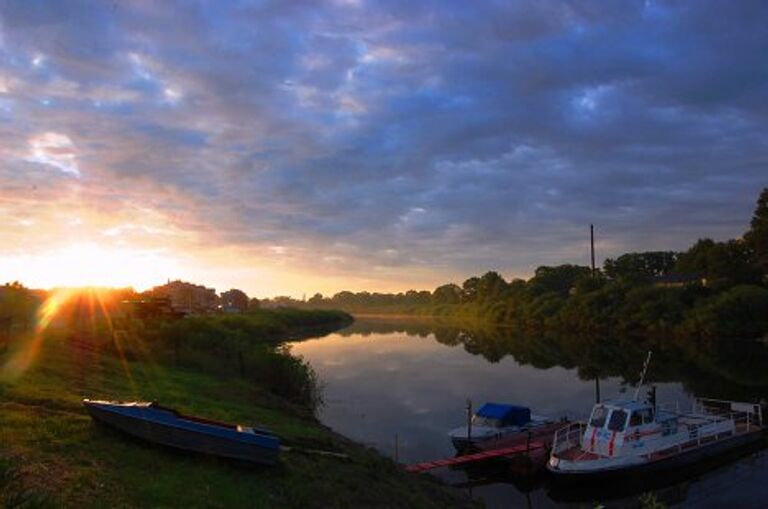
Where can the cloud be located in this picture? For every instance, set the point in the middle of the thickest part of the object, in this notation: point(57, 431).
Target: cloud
point(54, 149)
point(366, 142)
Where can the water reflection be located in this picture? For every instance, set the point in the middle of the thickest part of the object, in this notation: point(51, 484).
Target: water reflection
point(729, 370)
point(386, 379)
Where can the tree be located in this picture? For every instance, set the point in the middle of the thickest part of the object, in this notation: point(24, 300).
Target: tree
point(234, 300)
point(417, 297)
point(558, 279)
point(727, 263)
point(447, 294)
point(757, 236)
point(491, 286)
point(640, 267)
point(316, 299)
point(736, 313)
point(344, 298)
point(469, 290)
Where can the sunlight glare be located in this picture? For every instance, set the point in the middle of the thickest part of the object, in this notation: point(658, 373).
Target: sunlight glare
point(89, 264)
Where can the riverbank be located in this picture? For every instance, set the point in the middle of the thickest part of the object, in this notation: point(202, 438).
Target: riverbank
point(52, 455)
point(692, 312)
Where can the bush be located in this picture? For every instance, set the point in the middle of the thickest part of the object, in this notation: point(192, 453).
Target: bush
point(246, 345)
point(288, 376)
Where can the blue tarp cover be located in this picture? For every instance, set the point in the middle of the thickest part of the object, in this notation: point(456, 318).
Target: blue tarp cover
point(510, 415)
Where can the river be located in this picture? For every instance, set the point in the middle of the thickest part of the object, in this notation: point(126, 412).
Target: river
point(399, 386)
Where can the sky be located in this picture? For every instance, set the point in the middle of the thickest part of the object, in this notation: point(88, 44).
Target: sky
point(292, 147)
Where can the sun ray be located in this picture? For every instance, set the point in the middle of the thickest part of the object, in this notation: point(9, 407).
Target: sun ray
point(20, 361)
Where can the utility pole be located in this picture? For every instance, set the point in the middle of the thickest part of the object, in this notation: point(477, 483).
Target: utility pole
point(592, 247)
point(594, 274)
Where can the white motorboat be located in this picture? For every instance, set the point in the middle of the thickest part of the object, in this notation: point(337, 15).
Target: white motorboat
point(496, 422)
point(630, 435)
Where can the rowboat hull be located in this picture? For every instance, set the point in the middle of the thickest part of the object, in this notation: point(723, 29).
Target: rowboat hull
point(168, 428)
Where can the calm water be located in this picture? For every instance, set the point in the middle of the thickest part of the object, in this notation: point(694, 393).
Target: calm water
point(385, 379)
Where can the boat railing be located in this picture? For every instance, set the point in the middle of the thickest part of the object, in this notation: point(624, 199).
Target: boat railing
point(673, 408)
point(744, 414)
point(745, 418)
point(568, 437)
point(698, 434)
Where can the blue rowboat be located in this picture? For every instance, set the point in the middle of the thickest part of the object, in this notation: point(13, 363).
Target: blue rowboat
point(165, 426)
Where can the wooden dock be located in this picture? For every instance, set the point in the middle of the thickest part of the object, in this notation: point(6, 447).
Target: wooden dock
point(520, 449)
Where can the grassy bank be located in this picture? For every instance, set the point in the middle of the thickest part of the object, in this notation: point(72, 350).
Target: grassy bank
point(52, 454)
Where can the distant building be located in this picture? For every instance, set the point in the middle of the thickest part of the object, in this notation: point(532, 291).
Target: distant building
point(234, 301)
point(678, 280)
point(188, 298)
point(150, 307)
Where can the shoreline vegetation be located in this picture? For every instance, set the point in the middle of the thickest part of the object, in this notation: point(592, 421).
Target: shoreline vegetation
point(234, 368)
point(712, 291)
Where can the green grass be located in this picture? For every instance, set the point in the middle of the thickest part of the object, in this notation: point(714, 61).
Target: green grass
point(53, 455)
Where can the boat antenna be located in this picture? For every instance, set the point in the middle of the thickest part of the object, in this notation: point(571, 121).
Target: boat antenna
point(642, 373)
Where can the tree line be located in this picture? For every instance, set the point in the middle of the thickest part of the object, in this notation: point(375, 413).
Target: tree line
point(713, 289)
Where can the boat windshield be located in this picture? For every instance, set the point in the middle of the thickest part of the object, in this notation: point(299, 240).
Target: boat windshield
point(618, 420)
point(488, 422)
point(598, 417)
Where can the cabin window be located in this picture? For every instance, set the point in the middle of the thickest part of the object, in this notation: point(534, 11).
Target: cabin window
point(618, 420)
point(647, 414)
point(488, 422)
point(636, 419)
point(599, 415)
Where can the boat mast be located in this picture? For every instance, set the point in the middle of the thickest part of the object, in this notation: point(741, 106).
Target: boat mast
point(642, 374)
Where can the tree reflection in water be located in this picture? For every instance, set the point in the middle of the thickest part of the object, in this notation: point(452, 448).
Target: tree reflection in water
point(728, 369)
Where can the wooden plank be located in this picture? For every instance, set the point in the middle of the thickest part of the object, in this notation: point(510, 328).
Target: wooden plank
point(469, 458)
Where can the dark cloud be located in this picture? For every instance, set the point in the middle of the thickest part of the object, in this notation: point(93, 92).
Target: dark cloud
point(463, 136)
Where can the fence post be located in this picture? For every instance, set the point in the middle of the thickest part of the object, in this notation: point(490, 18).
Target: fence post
point(469, 422)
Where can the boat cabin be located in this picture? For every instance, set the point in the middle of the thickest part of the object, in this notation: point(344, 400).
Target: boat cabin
point(497, 415)
point(614, 425)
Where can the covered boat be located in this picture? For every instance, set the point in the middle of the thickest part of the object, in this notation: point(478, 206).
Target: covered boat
point(500, 424)
point(165, 426)
point(631, 436)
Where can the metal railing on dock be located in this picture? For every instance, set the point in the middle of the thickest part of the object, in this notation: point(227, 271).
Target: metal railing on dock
point(568, 437)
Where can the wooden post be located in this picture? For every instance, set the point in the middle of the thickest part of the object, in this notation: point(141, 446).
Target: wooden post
point(597, 388)
point(469, 420)
point(528, 444)
point(528, 461)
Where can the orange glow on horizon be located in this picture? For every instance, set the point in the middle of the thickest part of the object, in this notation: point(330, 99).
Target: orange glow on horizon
point(92, 265)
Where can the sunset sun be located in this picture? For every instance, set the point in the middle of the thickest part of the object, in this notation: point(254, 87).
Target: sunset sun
point(89, 264)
